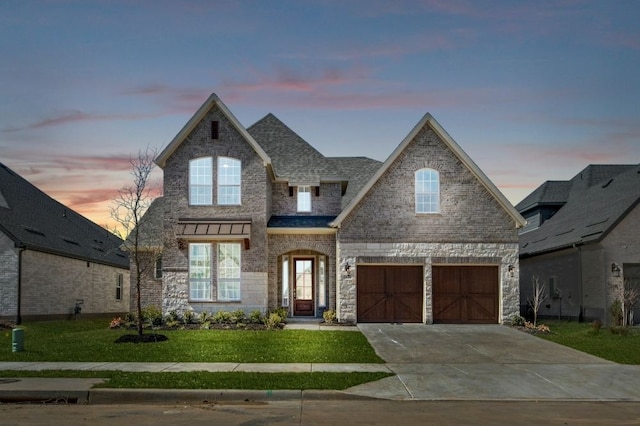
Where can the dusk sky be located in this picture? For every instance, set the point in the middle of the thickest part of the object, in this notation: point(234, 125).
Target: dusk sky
point(531, 90)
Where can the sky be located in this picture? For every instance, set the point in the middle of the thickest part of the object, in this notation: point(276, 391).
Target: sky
point(531, 90)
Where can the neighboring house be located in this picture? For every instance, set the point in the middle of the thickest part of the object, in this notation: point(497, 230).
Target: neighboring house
point(256, 218)
point(55, 261)
point(582, 241)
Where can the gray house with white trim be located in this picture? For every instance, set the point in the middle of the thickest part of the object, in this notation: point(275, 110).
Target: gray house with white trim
point(256, 218)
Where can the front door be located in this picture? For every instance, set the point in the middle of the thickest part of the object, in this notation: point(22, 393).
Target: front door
point(303, 288)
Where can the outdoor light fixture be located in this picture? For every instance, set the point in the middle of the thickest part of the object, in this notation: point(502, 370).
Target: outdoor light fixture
point(511, 270)
point(615, 270)
point(347, 269)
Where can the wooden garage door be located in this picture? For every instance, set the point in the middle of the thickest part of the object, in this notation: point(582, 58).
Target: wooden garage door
point(389, 293)
point(465, 294)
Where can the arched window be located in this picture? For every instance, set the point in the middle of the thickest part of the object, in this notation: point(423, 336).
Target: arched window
point(427, 191)
point(229, 180)
point(200, 181)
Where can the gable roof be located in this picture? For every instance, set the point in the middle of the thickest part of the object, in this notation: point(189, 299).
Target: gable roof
point(35, 221)
point(599, 198)
point(211, 102)
point(294, 160)
point(428, 120)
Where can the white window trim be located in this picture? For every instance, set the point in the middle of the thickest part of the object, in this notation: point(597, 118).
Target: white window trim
point(206, 281)
point(206, 185)
point(234, 280)
point(238, 185)
point(428, 194)
point(306, 207)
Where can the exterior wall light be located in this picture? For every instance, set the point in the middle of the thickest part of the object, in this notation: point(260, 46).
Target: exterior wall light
point(347, 269)
point(615, 270)
point(510, 269)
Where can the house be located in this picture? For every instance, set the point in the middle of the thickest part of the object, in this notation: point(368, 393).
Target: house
point(55, 262)
point(582, 241)
point(256, 218)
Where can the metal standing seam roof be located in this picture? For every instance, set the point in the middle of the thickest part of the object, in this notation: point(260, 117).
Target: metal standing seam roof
point(35, 221)
point(596, 203)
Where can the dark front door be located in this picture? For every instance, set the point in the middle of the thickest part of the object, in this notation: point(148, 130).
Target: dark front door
point(389, 293)
point(465, 294)
point(303, 304)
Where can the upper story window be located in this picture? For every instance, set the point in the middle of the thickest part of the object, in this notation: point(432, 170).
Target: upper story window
point(427, 191)
point(304, 198)
point(200, 181)
point(229, 172)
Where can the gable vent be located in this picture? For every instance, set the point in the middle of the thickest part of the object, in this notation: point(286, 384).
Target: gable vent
point(215, 130)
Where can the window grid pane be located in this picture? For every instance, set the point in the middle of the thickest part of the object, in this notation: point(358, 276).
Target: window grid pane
point(200, 181)
point(229, 268)
point(229, 180)
point(427, 197)
point(200, 271)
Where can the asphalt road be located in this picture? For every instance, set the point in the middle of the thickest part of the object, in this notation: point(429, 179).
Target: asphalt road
point(329, 412)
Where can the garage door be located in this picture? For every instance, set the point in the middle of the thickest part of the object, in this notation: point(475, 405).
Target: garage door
point(465, 294)
point(389, 293)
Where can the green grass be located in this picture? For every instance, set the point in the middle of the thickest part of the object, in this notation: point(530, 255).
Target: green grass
point(206, 380)
point(624, 349)
point(93, 341)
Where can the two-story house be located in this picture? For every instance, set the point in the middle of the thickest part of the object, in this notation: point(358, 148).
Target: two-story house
point(256, 218)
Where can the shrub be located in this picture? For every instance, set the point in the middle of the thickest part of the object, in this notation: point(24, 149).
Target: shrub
point(129, 317)
point(615, 311)
point(273, 321)
point(329, 316)
point(255, 317)
point(153, 315)
point(204, 317)
point(540, 328)
point(173, 316)
point(282, 312)
point(222, 317)
point(517, 321)
point(595, 327)
point(205, 325)
point(619, 329)
point(188, 316)
point(238, 316)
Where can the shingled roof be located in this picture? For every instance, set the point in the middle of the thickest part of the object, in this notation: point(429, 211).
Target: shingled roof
point(599, 197)
point(358, 171)
point(292, 158)
point(35, 221)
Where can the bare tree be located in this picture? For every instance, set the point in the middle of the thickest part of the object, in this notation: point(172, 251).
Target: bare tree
point(630, 296)
point(537, 298)
point(127, 210)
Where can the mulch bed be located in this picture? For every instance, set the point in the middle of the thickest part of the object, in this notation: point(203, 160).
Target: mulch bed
point(144, 338)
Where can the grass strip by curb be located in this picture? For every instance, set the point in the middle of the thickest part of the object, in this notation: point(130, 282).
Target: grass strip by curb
point(209, 380)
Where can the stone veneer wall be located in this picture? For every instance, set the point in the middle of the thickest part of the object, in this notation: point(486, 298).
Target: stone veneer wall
point(300, 244)
point(253, 293)
point(501, 254)
point(8, 278)
point(51, 285)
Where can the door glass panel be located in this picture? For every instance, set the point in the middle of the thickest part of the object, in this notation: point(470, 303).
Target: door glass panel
point(304, 279)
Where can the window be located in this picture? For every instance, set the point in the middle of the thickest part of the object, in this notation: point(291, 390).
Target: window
point(200, 271)
point(304, 199)
point(158, 268)
point(322, 287)
point(119, 281)
point(228, 181)
point(200, 186)
point(228, 271)
point(427, 191)
point(285, 281)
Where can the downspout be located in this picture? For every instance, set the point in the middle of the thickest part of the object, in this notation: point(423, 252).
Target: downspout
point(581, 286)
point(19, 310)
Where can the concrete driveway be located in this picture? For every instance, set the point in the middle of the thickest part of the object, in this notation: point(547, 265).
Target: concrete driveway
point(489, 362)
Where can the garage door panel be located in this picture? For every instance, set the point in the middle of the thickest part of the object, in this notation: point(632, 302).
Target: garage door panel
point(465, 294)
point(390, 293)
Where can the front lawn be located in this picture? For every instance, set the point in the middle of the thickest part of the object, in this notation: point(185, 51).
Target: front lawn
point(93, 341)
point(624, 349)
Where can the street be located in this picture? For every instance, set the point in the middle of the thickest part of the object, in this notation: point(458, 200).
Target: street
point(323, 412)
